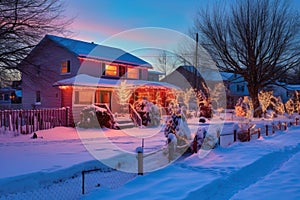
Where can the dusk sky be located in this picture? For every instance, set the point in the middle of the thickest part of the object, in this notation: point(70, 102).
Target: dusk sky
point(99, 20)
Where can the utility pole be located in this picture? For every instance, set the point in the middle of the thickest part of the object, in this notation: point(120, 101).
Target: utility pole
point(196, 63)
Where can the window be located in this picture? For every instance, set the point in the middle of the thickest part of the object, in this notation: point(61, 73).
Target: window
point(110, 70)
point(84, 97)
point(240, 88)
point(122, 71)
point(133, 73)
point(65, 67)
point(38, 96)
point(1, 97)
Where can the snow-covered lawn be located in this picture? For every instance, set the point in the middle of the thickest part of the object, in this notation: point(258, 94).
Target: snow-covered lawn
point(265, 167)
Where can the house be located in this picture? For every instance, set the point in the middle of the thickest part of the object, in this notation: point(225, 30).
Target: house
point(236, 87)
point(11, 96)
point(184, 77)
point(64, 72)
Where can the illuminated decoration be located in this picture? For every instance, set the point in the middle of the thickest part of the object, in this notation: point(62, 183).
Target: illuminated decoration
point(241, 108)
point(123, 92)
point(265, 99)
point(279, 106)
point(248, 101)
point(297, 101)
point(63, 87)
point(289, 106)
point(110, 70)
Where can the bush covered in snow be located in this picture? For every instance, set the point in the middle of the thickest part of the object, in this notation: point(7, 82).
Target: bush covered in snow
point(148, 111)
point(93, 117)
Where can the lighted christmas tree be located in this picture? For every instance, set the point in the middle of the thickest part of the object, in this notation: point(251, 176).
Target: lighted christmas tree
point(279, 106)
point(241, 108)
point(297, 101)
point(289, 106)
point(265, 99)
point(123, 93)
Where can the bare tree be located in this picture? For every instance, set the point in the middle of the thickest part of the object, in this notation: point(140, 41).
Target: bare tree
point(258, 39)
point(22, 25)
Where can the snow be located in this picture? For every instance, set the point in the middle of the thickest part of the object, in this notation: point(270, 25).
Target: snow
point(92, 50)
point(86, 80)
point(264, 168)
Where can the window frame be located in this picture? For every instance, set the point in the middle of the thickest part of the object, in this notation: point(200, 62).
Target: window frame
point(38, 98)
point(137, 70)
point(109, 75)
point(78, 102)
point(68, 66)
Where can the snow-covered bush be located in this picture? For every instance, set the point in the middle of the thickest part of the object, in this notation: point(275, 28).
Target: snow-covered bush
point(148, 111)
point(177, 124)
point(93, 117)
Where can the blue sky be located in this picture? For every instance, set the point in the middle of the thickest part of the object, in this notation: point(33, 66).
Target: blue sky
point(97, 20)
point(100, 20)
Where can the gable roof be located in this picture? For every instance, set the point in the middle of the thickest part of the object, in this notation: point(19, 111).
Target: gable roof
point(99, 52)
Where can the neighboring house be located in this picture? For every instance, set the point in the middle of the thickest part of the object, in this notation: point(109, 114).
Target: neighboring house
point(236, 87)
point(6, 94)
point(154, 75)
point(65, 72)
point(184, 77)
point(285, 92)
point(10, 98)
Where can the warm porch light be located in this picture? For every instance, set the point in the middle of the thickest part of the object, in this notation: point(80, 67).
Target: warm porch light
point(63, 87)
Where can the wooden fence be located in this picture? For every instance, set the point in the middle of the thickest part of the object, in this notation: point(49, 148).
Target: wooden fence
point(29, 121)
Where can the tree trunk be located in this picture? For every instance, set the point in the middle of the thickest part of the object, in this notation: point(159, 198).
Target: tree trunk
point(255, 101)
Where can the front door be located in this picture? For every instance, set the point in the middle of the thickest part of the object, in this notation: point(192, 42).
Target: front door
point(103, 96)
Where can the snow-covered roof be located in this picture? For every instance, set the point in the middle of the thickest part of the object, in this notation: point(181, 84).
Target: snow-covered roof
point(293, 87)
point(155, 72)
point(90, 81)
point(96, 51)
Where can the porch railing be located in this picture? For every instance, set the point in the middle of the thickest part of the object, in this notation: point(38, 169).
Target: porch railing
point(136, 118)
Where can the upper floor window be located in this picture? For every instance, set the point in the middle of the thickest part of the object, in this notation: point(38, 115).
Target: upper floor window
point(111, 70)
point(65, 67)
point(133, 73)
point(38, 96)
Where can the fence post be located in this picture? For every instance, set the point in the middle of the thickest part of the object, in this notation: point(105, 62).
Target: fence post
point(234, 135)
point(267, 130)
point(285, 126)
point(140, 157)
point(258, 133)
point(273, 128)
point(297, 119)
point(82, 182)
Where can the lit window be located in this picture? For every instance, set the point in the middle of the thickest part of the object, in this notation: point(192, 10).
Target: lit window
point(65, 67)
point(133, 73)
point(84, 97)
point(110, 70)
